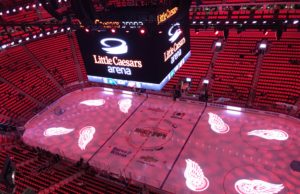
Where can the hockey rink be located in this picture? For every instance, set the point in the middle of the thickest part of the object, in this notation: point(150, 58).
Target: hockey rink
point(181, 147)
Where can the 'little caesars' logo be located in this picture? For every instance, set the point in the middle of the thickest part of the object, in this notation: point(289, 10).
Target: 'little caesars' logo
point(174, 32)
point(166, 15)
point(174, 52)
point(114, 46)
point(116, 64)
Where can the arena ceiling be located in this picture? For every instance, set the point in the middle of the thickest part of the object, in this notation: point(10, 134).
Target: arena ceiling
point(20, 19)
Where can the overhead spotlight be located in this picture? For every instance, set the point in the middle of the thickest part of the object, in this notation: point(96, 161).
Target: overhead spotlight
point(87, 30)
point(295, 21)
point(264, 22)
point(216, 32)
point(254, 22)
point(62, 30)
point(227, 22)
point(194, 22)
point(20, 8)
point(262, 46)
point(234, 108)
point(4, 46)
point(20, 41)
point(201, 22)
point(142, 31)
point(127, 31)
point(235, 22)
point(209, 22)
point(12, 43)
point(68, 28)
point(205, 81)
point(160, 32)
point(41, 35)
point(286, 21)
point(27, 38)
point(14, 10)
point(40, 4)
point(218, 22)
point(48, 33)
point(34, 6)
point(1, 13)
point(34, 37)
point(59, 1)
point(113, 30)
point(218, 44)
point(27, 7)
point(7, 12)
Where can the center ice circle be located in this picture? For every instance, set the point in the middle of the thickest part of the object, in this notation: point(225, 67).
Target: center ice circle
point(150, 138)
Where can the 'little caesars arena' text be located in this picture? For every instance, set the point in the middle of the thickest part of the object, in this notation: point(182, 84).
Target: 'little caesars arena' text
point(117, 65)
point(174, 51)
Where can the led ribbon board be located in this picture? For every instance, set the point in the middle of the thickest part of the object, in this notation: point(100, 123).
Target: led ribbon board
point(131, 59)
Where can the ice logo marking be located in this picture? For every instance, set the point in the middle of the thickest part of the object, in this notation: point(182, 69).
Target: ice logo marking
point(86, 135)
point(55, 131)
point(272, 134)
point(124, 105)
point(174, 32)
point(217, 124)
point(195, 179)
point(120, 48)
point(245, 186)
point(99, 102)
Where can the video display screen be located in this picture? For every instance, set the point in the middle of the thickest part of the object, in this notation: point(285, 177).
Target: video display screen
point(133, 59)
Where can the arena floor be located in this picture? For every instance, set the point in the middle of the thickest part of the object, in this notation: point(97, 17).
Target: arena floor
point(181, 147)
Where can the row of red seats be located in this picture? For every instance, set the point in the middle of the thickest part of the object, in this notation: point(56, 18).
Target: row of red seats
point(21, 70)
point(211, 2)
point(126, 3)
point(7, 138)
point(57, 58)
point(89, 183)
point(34, 171)
point(23, 16)
point(245, 14)
point(14, 105)
point(233, 70)
point(280, 73)
point(79, 58)
point(39, 174)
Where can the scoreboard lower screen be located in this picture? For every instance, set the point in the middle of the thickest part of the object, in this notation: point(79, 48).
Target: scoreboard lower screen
point(132, 59)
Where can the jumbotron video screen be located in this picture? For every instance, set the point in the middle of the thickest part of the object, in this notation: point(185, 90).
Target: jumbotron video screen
point(133, 59)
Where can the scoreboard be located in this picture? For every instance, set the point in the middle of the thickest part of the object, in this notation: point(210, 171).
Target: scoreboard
point(133, 59)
